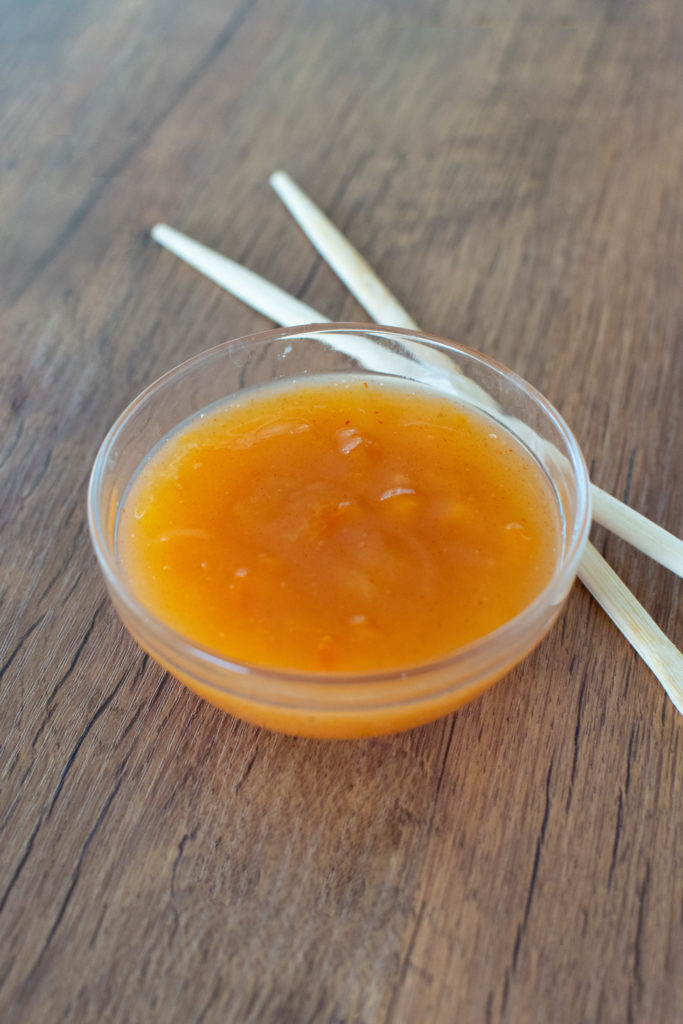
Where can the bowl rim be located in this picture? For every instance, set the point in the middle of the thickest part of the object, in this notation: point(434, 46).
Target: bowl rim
point(330, 690)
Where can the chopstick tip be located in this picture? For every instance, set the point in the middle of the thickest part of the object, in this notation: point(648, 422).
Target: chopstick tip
point(158, 232)
point(278, 179)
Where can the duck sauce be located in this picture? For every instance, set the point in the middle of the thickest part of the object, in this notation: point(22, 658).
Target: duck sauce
point(338, 525)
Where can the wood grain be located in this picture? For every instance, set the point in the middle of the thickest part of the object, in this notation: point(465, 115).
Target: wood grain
point(514, 171)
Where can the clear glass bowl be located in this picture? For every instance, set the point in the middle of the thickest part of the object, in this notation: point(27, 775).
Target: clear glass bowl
point(340, 705)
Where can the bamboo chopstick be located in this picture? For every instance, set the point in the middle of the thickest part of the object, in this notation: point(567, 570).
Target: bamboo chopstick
point(345, 260)
point(363, 283)
point(255, 291)
point(629, 616)
point(639, 629)
point(639, 531)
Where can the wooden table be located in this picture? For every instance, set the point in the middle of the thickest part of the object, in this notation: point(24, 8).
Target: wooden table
point(514, 170)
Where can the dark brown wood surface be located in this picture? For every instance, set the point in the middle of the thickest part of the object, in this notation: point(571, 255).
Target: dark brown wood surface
point(514, 171)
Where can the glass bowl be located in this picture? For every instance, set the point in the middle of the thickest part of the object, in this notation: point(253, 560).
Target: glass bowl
point(340, 705)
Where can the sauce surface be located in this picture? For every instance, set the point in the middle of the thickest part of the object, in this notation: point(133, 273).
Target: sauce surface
point(338, 525)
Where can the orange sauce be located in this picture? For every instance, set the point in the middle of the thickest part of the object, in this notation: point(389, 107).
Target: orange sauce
point(338, 526)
